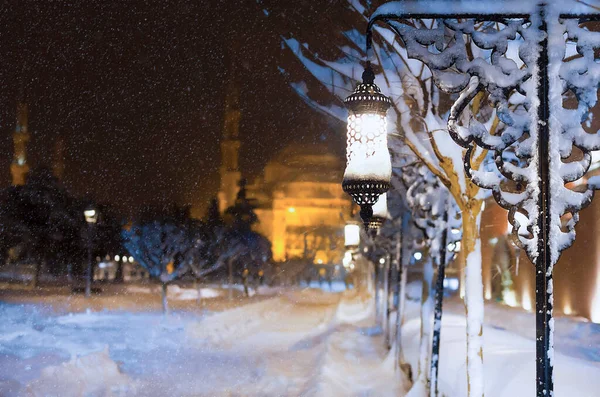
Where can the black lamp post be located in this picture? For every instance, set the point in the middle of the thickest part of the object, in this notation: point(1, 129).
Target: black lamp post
point(91, 217)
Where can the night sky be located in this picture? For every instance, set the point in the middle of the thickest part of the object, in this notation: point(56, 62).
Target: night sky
point(137, 90)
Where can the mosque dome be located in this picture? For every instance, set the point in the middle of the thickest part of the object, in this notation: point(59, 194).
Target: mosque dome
point(307, 163)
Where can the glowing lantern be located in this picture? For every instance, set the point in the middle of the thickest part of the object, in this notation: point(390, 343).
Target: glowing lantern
point(380, 214)
point(347, 259)
point(351, 236)
point(368, 167)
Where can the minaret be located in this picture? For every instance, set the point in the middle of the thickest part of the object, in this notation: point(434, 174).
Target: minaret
point(19, 167)
point(230, 146)
point(58, 160)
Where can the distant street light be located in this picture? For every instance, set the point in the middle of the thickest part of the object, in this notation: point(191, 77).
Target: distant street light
point(347, 259)
point(91, 217)
point(368, 168)
point(351, 236)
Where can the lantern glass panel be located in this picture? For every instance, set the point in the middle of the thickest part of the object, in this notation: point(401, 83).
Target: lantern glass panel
point(367, 152)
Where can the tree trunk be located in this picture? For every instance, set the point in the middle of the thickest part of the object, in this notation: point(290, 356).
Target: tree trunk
point(437, 314)
point(426, 326)
point(70, 273)
point(36, 275)
point(88, 269)
point(199, 300)
point(471, 244)
point(386, 302)
point(165, 305)
point(230, 263)
point(119, 273)
point(400, 292)
point(377, 294)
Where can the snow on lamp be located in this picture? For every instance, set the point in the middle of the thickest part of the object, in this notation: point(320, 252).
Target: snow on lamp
point(368, 164)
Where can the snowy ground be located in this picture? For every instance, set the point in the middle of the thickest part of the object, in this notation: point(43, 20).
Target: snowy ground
point(301, 342)
point(509, 352)
point(293, 342)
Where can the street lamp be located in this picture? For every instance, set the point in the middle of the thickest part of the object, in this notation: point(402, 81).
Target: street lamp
point(91, 217)
point(351, 236)
point(368, 165)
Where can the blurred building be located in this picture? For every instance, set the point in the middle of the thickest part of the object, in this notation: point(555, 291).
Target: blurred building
point(229, 171)
point(19, 167)
point(301, 205)
point(107, 268)
point(298, 198)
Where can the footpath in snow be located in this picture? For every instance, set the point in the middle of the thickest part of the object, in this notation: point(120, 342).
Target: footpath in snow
point(299, 343)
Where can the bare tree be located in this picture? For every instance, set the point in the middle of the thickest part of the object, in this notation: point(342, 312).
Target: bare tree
point(164, 248)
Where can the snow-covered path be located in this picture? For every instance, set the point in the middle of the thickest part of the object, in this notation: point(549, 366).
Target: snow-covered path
point(300, 343)
point(306, 343)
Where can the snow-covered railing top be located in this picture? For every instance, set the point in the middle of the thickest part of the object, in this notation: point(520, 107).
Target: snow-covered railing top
point(424, 9)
